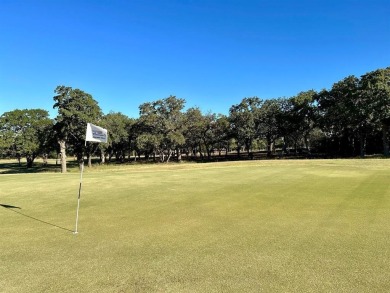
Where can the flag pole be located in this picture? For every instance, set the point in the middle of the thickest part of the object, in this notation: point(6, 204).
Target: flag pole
point(78, 198)
point(96, 134)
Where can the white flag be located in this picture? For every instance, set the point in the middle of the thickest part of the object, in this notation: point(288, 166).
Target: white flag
point(95, 133)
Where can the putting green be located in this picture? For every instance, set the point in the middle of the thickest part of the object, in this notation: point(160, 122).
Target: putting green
point(259, 226)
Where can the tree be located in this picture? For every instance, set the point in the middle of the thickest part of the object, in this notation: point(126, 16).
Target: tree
point(200, 132)
point(161, 124)
point(117, 125)
point(209, 137)
point(194, 122)
point(346, 116)
point(24, 133)
point(75, 109)
point(7, 138)
point(296, 120)
point(375, 91)
point(222, 133)
point(243, 118)
point(304, 114)
point(288, 123)
point(269, 122)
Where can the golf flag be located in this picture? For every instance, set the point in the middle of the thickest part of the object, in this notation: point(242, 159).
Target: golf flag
point(95, 133)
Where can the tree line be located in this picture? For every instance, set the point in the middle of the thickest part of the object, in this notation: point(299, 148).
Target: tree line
point(350, 119)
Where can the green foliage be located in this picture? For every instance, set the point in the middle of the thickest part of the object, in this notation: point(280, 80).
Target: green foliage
point(375, 90)
point(75, 109)
point(25, 133)
point(164, 120)
point(195, 127)
point(353, 108)
point(269, 117)
point(118, 126)
point(297, 119)
point(244, 119)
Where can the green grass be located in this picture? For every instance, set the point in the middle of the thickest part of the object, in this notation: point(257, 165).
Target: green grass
point(260, 226)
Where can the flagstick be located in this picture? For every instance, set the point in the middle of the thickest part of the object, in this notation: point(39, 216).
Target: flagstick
point(78, 199)
point(96, 134)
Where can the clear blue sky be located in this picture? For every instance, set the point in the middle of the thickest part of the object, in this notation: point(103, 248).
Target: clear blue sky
point(211, 53)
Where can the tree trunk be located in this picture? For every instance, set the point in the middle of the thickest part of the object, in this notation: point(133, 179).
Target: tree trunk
point(385, 132)
point(178, 155)
point(269, 147)
point(44, 158)
point(273, 148)
point(227, 150)
point(362, 141)
point(248, 145)
point(89, 161)
point(200, 151)
point(80, 159)
point(208, 153)
point(63, 155)
point(102, 157)
point(284, 147)
point(30, 161)
point(307, 143)
point(169, 155)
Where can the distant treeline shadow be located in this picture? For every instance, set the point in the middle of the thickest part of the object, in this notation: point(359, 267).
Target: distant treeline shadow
point(15, 208)
point(16, 168)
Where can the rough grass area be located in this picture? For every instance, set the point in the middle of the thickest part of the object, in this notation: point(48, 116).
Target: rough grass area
point(262, 226)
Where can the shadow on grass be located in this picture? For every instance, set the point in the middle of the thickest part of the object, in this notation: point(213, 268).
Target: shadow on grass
point(13, 209)
point(7, 206)
point(15, 168)
point(38, 167)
